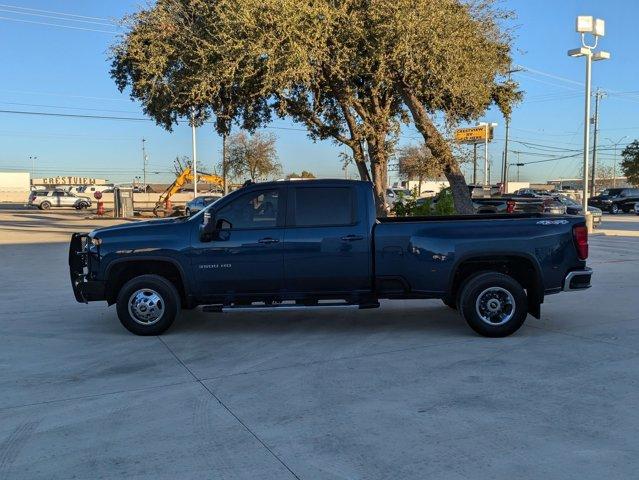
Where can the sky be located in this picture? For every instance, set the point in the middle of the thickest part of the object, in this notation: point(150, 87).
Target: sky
point(55, 60)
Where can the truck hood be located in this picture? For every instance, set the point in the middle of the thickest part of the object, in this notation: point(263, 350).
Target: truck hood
point(123, 228)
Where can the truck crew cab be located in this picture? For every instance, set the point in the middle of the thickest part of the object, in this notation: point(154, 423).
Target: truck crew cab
point(283, 244)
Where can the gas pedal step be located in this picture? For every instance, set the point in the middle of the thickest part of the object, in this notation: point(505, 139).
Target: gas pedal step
point(285, 306)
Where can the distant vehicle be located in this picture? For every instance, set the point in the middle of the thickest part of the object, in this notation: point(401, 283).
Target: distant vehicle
point(89, 190)
point(615, 200)
point(394, 194)
point(299, 244)
point(573, 207)
point(198, 203)
point(46, 199)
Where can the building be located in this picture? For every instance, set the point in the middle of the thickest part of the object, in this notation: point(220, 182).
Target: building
point(14, 187)
point(601, 183)
point(66, 181)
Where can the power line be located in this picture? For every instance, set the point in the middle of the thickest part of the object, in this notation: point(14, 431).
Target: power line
point(107, 117)
point(58, 25)
point(51, 12)
point(110, 24)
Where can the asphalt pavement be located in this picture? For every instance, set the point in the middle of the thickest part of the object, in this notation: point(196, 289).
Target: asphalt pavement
point(406, 391)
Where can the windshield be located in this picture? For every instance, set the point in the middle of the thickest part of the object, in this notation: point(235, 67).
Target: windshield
point(611, 192)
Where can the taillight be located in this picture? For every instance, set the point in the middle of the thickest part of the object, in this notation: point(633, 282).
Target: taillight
point(580, 236)
point(510, 206)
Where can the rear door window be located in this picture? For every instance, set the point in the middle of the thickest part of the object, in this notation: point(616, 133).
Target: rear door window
point(331, 206)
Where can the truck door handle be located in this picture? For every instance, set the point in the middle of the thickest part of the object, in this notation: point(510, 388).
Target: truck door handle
point(268, 240)
point(352, 238)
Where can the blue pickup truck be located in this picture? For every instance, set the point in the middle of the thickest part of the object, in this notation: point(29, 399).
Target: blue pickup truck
point(317, 243)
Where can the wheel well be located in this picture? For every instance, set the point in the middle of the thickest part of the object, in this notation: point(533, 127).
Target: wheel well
point(520, 268)
point(122, 272)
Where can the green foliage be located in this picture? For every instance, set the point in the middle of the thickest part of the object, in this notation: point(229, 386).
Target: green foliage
point(352, 71)
point(411, 207)
point(630, 163)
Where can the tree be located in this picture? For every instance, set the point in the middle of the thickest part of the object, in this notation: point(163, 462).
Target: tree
point(630, 162)
point(418, 163)
point(352, 71)
point(304, 174)
point(254, 156)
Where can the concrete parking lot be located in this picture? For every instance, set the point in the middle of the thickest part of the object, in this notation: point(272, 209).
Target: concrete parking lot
point(406, 391)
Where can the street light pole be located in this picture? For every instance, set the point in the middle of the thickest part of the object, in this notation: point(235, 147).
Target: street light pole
point(596, 28)
point(584, 201)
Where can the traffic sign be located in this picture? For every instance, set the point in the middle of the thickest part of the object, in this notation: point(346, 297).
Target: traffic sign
point(473, 134)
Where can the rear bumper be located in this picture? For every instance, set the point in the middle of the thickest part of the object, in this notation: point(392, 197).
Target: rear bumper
point(577, 280)
point(84, 290)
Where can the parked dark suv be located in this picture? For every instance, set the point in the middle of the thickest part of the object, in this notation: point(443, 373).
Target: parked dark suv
point(614, 200)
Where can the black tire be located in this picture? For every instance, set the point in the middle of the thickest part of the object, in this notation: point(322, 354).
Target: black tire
point(614, 209)
point(45, 206)
point(169, 302)
point(511, 305)
point(82, 206)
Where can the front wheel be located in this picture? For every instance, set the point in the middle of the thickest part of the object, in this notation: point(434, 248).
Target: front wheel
point(45, 206)
point(493, 304)
point(614, 209)
point(148, 305)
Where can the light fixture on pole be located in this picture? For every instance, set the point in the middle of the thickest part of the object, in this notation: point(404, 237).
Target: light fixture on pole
point(487, 136)
point(33, 159)
point(596, 28)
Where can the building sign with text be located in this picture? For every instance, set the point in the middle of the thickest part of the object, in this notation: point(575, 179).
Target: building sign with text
point(53, 181)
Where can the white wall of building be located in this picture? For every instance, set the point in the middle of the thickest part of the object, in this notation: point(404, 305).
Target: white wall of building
point(429, 187)
point(15, 182)
point(514, 186)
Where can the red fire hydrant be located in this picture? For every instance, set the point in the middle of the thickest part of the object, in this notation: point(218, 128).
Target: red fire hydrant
point(98, 197)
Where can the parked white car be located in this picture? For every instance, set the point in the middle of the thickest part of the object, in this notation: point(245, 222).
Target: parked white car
point(45, 199)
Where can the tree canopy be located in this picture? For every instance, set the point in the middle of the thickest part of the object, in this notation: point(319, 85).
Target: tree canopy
point(352, 71)
point(253, 156)
point(630, 162)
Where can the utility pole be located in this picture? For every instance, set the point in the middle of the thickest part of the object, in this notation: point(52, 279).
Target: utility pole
point(474, 163)
point(504, 168)
point(194, 148)
point(595, 120)
point(144, 163)
point(225, 183)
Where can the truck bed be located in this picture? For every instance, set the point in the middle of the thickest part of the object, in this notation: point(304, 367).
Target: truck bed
point(419, 254)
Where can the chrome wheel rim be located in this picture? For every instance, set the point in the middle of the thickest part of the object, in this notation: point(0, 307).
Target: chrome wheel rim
point(146, 306)
point(495, 306)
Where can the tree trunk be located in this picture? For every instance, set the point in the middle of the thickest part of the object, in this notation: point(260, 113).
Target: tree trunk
point(379, 162)
point(441, 151)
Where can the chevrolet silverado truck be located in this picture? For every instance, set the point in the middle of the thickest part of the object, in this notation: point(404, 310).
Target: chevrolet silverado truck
point(318, 243)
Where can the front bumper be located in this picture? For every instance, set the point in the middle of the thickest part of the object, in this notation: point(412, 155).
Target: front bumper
point(577, 280)
point(84, 289)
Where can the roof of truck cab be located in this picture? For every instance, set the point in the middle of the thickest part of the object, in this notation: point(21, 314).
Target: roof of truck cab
point(313, 181)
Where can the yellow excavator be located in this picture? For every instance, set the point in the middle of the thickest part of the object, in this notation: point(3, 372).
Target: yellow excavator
point(163, 205)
